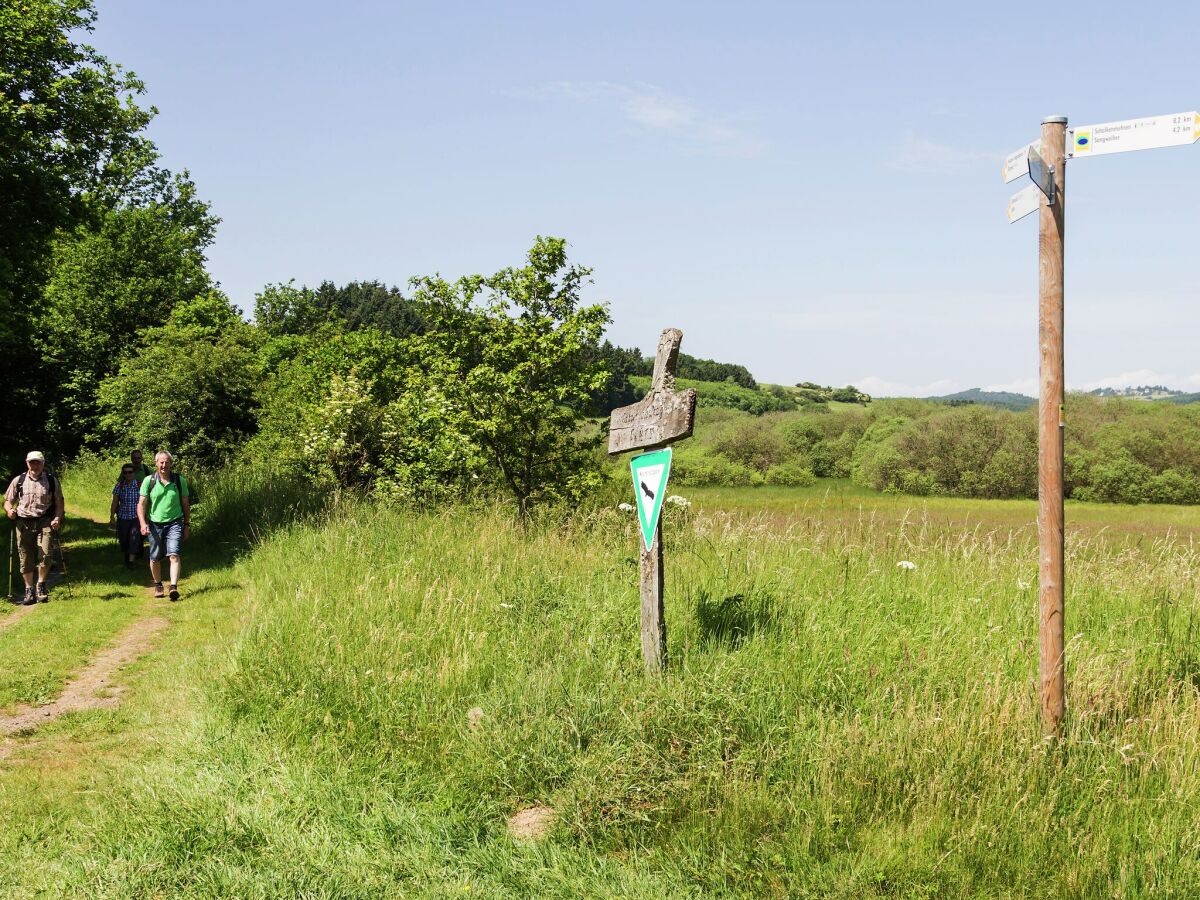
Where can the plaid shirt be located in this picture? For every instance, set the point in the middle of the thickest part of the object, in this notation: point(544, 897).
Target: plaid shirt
point(127, 493)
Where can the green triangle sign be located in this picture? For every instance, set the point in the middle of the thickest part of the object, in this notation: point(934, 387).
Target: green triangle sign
point(650, 471)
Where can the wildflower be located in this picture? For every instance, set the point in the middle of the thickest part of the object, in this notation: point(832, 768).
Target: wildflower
point(676, 500)
point(625, 507)
point(906, 565)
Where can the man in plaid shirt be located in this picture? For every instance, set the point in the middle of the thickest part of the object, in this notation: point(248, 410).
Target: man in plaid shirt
point(124, 514)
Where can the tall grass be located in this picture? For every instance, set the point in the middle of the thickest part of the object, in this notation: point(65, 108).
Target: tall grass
point(831, 722)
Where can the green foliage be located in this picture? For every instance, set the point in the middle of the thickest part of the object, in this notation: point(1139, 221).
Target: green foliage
point(284, 309)
point(509, 355)
point(1118, 451)
point(109, 281)
point(726, 395)
point(753, 443)
point(695, 369)
point(426, 456)
point(69, 131)
point(323, 402)
point(190, 387)
point(622, 365)
point(815, 393)
point(370, 304)
point(967, 451)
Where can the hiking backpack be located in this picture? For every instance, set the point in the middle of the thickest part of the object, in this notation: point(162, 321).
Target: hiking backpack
point(50, 482)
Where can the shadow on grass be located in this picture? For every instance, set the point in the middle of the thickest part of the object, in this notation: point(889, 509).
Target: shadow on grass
point(87, 554)
point(732, 619)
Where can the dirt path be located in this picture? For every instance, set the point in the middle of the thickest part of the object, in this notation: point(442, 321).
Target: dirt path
point(15, 616)
point(81, 692)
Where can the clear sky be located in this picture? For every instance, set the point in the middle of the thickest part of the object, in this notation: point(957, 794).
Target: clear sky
point(812, 190)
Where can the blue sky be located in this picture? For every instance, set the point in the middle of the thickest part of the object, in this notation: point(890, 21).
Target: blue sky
point(812, 190)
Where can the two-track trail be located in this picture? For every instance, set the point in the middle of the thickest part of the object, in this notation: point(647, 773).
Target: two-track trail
point(115, 625)
point(94, 687)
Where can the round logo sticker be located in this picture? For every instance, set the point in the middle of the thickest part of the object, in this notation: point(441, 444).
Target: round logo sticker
point(1082, 140)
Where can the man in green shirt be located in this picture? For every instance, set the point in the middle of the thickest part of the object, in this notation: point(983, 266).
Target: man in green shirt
point(165, 514)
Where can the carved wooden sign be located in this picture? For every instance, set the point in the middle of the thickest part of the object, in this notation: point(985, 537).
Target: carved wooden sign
point(664, 414)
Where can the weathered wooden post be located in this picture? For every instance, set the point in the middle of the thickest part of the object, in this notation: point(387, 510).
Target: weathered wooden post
point(662, 416)
point(1051, 518)
point(1044, 161)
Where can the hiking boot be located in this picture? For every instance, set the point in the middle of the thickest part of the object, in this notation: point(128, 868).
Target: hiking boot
point(174, 595)
point(43, 592)
point(158, 590)
point(30, 599)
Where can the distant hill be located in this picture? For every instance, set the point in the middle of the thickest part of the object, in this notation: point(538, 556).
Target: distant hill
point(1002, 399)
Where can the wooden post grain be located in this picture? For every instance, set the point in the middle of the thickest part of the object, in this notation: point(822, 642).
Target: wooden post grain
point(1051, 424)
point(664, 415)
point(654, 619)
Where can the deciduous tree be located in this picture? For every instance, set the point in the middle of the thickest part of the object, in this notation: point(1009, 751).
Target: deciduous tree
point(509, 352)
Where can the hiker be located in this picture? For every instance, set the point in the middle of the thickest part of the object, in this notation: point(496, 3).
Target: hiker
point(140, 469)
point(165, 514)
point(124, 515)
point(34, 499)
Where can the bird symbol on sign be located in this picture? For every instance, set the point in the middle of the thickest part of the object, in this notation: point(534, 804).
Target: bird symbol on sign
point(646, 490)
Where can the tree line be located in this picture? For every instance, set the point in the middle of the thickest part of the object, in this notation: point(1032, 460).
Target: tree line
point(1117, 450)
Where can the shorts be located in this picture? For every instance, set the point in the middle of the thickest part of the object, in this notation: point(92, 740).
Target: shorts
point(165, 538)
point(33, 542)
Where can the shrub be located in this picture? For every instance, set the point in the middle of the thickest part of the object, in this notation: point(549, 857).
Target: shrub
point(752, 443)
point(793, 473)
point(703, 469)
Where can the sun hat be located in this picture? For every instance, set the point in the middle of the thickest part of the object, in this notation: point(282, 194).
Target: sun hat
point(34, 454)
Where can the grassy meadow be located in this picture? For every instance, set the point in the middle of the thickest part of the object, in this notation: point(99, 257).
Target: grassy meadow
point(354, 704)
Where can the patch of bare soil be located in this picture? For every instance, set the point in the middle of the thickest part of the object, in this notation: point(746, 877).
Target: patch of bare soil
point(531, 824)
point(15, 616)
point(82, 692)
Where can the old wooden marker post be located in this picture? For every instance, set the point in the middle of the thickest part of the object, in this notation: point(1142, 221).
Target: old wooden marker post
point(662, 416)
point(1044, 161)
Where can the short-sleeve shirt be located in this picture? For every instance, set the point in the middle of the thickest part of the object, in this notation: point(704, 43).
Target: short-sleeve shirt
point(164, 502)
point(36, 500)
point(127, 493)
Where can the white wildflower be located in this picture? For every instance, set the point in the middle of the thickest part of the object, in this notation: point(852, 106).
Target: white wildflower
point(676, 500)
point(906, 565)
point(625, 507)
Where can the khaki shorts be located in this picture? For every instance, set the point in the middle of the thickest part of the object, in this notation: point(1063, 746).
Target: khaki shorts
point(33, 542)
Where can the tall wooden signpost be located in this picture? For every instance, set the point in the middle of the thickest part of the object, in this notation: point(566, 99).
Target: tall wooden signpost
point(1044, 161)
point(662, 416)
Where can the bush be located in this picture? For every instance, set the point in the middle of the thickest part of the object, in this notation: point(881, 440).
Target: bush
point(702, 469)
point(793, 473)
point(752, 443)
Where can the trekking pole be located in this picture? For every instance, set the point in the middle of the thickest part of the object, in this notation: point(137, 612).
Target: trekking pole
point(62, 553)
point(56, 542)
point(11, 532)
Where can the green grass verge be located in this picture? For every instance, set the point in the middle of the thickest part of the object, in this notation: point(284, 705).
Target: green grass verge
point(832, 724)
